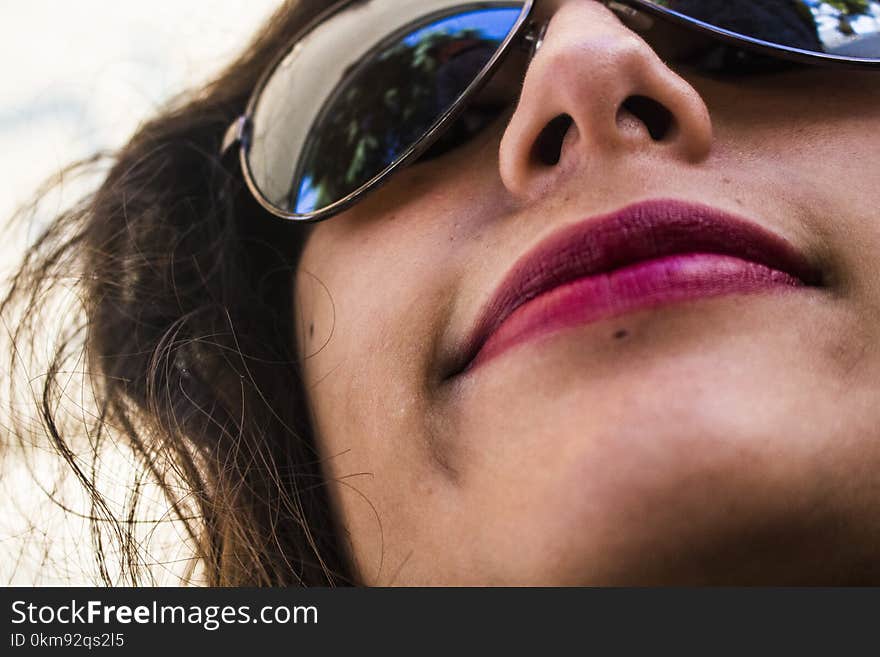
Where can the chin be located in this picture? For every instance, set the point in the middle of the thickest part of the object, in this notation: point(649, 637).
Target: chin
point(706, 485)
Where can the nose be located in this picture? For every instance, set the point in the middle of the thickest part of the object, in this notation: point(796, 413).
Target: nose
point(595, 89)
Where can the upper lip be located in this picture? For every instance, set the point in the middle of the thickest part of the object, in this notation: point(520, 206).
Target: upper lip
point(636, 233)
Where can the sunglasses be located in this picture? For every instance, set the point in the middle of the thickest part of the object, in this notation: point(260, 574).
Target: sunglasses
point(372, 86)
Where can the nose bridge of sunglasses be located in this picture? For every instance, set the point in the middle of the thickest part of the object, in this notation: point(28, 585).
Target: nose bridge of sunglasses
point(630, 16)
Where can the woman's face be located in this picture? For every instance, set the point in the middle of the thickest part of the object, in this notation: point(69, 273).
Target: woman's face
point(730, 435)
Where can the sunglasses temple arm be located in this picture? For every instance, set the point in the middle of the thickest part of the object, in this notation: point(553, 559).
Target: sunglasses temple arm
point(235, 134)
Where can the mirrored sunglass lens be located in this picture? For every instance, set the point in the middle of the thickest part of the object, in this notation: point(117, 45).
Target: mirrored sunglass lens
point(341, 108)
point(848, 28)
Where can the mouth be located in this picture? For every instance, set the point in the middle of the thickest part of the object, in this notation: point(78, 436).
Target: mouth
point(642, 256)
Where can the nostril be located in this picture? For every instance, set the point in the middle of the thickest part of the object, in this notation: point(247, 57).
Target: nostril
point(548, 146)
point(656, 118)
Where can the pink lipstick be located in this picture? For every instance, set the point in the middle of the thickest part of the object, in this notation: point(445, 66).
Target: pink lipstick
point(643, 256)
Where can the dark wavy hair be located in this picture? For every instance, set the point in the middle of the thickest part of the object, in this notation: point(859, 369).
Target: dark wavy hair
point(187, 332)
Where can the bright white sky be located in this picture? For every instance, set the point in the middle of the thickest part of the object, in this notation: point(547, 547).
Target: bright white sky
point(80, 75)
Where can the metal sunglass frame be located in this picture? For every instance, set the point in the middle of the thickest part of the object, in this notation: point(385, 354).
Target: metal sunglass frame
point(524, 32)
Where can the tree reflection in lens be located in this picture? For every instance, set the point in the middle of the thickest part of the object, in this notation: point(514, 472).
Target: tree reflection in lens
point(384, 104)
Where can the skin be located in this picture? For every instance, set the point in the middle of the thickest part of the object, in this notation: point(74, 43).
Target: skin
point(724, 440)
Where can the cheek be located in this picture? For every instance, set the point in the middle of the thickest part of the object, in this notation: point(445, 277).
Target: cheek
point(373, 283)
point(814, 151)
point(825, 134)
point(361, 394)
point(373, 294)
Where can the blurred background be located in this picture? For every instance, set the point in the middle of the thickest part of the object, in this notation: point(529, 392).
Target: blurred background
point(78, 77)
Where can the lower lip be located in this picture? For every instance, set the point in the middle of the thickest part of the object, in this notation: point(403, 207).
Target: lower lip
point(641, 286)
